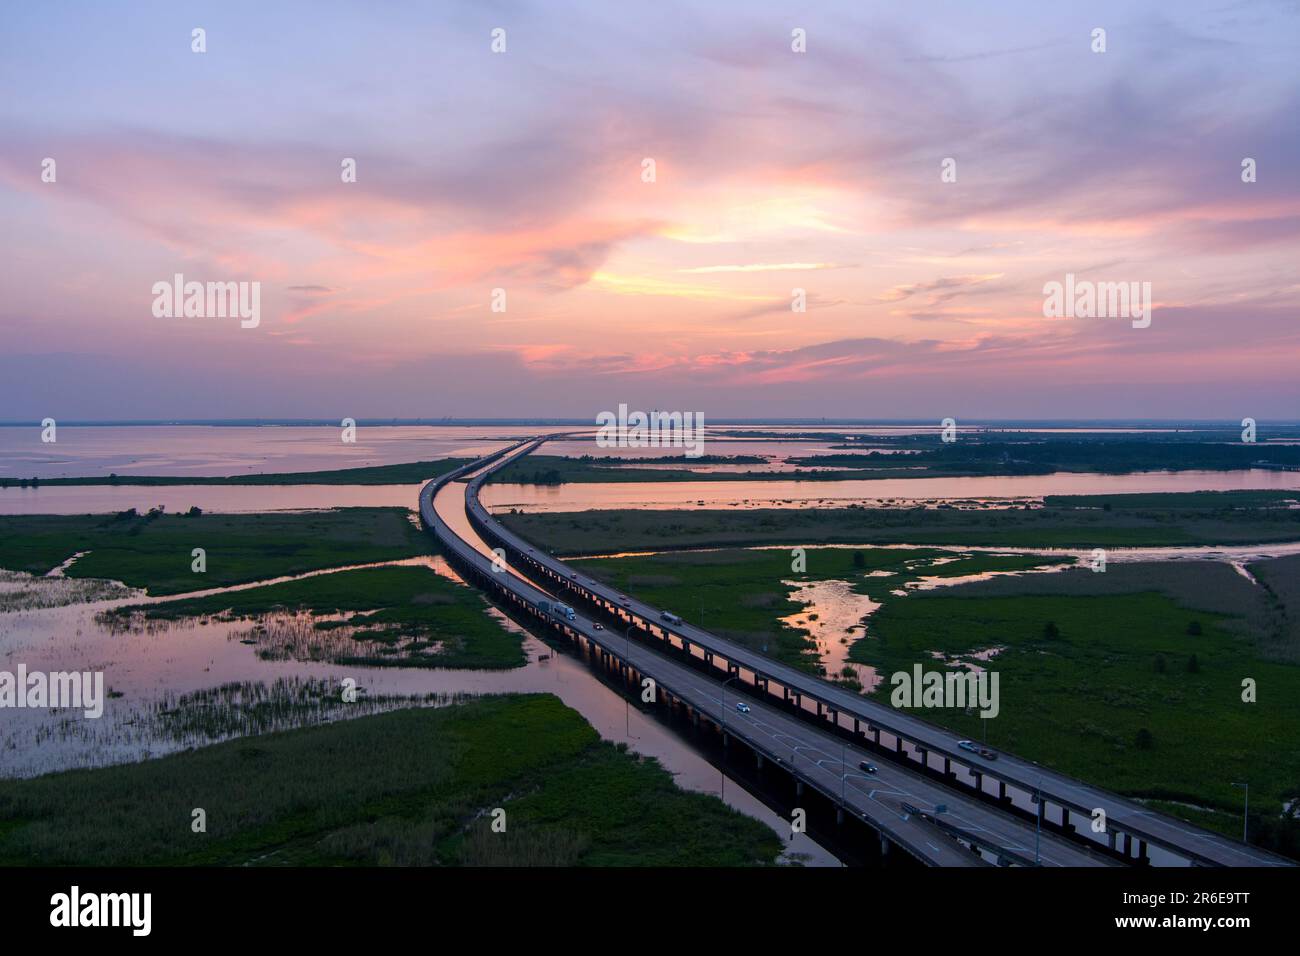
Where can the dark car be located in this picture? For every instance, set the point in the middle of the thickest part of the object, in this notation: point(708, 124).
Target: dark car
point(867, 767)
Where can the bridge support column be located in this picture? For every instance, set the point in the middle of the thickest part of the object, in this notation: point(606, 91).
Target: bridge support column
point(898, 745)
point(798, 788)
point(856, 731)
point(1143, 859)
point(1128, 845)
point(759, 758)
point(1110, 839)
point(708, 657)
point(884, 845)
point(839, 815)
point(1002, 791)
point(819, 708)
point(1065, 820)
point(979, 781)
point(947, 767)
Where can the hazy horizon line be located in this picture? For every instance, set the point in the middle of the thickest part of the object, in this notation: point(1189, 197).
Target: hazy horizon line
point(584, 422)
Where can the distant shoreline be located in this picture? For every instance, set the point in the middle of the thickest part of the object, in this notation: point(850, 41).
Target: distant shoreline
point(1190, 424)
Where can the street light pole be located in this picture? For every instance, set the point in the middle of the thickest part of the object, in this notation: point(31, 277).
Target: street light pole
point(627, 701)
point(1038, 818)
point(1245, 816)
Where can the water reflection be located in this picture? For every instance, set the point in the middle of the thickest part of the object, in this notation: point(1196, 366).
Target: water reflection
point(877, 492)
point(834, 617)
point(177, 684)
point(221, 450)
point(217, 499)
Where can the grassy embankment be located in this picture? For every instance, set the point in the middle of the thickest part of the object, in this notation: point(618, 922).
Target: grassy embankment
point(1222, 518)
point(412, 787)
point(407, 473)
point(401, 617)
point(153, 551)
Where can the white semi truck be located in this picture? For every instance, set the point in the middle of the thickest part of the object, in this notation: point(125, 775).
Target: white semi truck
point(556, 609)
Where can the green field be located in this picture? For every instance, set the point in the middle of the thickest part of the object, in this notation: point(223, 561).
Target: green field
point(411, 787)
point(153, 551)
point(740, 594)
point(1236, 518)
point(408, 473)
point(413, 617)
point(1134, 692)
point(1130, 679)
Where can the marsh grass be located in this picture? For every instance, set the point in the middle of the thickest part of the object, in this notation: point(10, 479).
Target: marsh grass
point(409, 787)
point(394, 616)
point(153, 551)
point(20, 591)
point(743, 597)
point(1077, 653)
point(1091, 700)
point(1064, 521)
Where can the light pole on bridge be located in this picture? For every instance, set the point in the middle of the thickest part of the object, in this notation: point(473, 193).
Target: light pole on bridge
point(1038, 818)
point(1245, 814)
point(627, 701)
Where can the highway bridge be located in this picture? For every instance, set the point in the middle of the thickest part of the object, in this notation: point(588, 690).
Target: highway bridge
point(928, 796)
point(967, 833)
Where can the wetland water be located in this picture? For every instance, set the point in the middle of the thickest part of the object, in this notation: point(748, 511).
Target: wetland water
point(782, 493)
point(240, 684)
point(584, 496)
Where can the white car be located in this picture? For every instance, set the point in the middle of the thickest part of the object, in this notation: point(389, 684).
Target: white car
point(742, 707)
point(968, 745)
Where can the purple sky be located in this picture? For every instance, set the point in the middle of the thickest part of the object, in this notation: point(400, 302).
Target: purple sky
point(775, 170)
